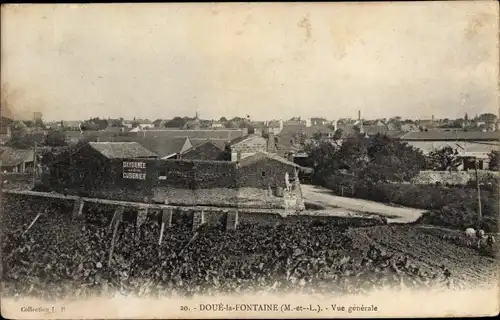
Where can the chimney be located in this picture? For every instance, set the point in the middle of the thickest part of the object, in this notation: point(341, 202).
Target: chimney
point(359, 114)
point(271, 143)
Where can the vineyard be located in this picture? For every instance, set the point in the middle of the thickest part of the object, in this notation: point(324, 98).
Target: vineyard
point(59, 257)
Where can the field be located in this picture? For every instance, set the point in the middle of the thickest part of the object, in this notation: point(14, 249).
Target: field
point(429, 251)
point(64, 258)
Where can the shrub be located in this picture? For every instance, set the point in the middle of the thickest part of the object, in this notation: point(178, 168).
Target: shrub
point(448, 206)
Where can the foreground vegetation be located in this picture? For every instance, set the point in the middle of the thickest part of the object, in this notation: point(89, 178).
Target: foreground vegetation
point(380, 169)
point(62, 258)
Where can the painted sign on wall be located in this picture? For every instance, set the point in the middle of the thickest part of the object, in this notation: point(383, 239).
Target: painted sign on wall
point(135, 170)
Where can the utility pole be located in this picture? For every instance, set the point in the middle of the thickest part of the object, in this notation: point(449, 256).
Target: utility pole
point(1, 221)
point(34, 164)
point(476, 162)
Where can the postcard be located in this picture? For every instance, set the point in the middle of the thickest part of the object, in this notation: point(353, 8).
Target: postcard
point(249, 160)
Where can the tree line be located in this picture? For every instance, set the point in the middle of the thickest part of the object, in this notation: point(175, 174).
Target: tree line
point(376, 159)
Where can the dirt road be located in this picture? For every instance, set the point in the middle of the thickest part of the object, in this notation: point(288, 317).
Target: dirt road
point(332, 203)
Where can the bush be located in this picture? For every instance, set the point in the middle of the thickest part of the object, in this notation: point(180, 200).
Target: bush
point(448, 206)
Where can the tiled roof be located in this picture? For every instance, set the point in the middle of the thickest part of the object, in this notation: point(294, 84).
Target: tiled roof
point(220, 143)
point(241, 139)
point(200, 134)
point(452, 135)
point(428, 146)
point(395, 134)
point(122, 150)
point(264, 155)
point(374, 129)
point(273, 124)
point(12, 157)
point(163, 147)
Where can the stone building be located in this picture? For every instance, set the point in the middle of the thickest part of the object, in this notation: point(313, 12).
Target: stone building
point(130, 172)
point(247, 146)
point(206, 150)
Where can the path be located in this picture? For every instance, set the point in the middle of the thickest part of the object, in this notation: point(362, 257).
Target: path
point(332, 202)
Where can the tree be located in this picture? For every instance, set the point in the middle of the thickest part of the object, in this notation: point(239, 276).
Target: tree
point(337, 135)
point(176, 122)
point(317, 135)
point(359, 161)
point(21, 140)
point(330, 160)
point(116, 123)
point(443, 159)
point(392, 160)
point(55, 139)
point(487, 117)
point(494, 159)
point(96, 124)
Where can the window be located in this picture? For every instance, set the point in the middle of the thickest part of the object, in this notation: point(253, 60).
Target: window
point(162, 175)
point(263, 173)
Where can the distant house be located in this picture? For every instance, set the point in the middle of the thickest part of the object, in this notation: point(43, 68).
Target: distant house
point(193, 124)
point(226, 134)
point(141, 123)
point(206, 150)
point(486, 126)
point(71, 125)
point(128, 123)
point(426, 124)
point(372, 130)
point(145, 124)
point(408, 127)
point(15, 160)
point(258, 127)
point(318, 121)
point(217, 125)
point(295, 121)
point(273, 126)
point(468, 144)
point(159, 123)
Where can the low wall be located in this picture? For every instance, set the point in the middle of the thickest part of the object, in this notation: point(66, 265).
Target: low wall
point(454, 177)
point(183, 216)
point(224, 197)
point(16, 180)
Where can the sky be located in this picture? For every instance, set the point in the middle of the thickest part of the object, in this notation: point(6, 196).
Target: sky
point(267, 60)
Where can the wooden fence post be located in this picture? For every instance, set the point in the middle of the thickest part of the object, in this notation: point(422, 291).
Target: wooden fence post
point(117, 218)
point(232, 220)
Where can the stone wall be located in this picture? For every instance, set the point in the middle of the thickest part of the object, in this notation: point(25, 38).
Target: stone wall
point(180, 216)
point(16, 180)
point(264, 173)
point(250, 146)
point(207, 197)
point(454, 177)
point(222, 197)
point(198, 174)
